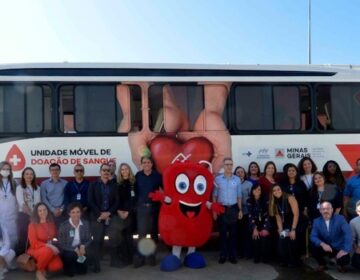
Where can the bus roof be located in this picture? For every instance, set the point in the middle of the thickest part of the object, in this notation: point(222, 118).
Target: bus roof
point(177, 72)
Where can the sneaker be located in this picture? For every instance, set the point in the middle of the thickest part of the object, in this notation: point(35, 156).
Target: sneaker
point(222, 260)
point(342, 269)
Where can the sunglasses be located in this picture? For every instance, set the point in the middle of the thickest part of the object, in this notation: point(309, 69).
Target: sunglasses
point(105, 170)
point(79, 170)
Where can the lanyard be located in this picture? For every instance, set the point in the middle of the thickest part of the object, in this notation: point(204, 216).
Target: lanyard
point(79, 186)
point(6, 187)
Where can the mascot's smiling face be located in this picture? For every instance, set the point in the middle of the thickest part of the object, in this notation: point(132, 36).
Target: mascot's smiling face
point(190, 186)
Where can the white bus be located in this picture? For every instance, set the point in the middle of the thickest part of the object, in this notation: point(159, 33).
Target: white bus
point(90, 113)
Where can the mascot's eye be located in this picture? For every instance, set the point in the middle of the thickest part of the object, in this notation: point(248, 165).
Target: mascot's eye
point(200, 185)
point(182, 183)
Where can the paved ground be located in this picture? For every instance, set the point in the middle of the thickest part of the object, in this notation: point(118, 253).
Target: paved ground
point(245, 269)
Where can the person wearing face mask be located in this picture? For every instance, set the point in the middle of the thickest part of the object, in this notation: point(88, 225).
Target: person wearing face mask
point(8, 204)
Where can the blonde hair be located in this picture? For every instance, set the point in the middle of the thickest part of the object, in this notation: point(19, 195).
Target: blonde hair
point(120, 178)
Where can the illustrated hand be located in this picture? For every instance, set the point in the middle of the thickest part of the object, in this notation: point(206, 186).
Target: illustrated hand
point(176, 123)
point(217, 208)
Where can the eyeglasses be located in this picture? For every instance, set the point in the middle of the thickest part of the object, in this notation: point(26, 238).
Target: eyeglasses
point(54, 169)
point(105, 170)
point(228, 164)
point(79, 170)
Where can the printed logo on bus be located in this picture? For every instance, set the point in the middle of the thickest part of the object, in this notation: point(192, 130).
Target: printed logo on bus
point(16, 158)
point(279, 153)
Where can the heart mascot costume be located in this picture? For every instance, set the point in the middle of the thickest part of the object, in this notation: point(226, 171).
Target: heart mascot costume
point(185, 218)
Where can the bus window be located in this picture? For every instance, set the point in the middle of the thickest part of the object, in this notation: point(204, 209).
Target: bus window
point(21, 109)
point(47, 109)
point(182, 105)
point(270, 107)
point(340, 106)
point(96, 108)
point(253, 108)
point(67, 109)
point(286, 107)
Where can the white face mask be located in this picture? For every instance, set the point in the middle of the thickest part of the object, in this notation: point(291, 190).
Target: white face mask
point(5, 173)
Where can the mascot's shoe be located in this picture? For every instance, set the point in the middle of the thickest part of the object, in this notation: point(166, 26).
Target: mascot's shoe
point(194, 260)
point(170, 263)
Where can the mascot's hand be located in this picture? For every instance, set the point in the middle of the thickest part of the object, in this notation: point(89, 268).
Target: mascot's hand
point(217, 208)
point(157, 196)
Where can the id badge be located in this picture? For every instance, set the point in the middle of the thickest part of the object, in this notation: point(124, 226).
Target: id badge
point(72, 233)
point(78, 196)
point(318, 206)
point(132, 193)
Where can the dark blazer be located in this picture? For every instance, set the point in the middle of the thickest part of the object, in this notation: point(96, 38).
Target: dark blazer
point(339, 235)
point(66, 239)
point(95, 198)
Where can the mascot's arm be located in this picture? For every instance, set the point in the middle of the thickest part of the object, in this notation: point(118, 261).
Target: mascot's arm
point(216, 207)
point(159, 196)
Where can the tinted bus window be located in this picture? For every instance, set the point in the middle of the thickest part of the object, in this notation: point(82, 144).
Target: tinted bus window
point(21, 109)
point(100, 108)
point(338, 107)
point(270, 107)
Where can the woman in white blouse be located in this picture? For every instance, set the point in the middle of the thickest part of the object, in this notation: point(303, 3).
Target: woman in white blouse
point(307, 168)
point(27, 196)
point(8, 205)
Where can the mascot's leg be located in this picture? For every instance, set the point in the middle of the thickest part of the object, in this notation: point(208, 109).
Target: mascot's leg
point(172, 262)
point(194, 259)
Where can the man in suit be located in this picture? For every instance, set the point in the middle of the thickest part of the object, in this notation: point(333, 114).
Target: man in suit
point(103, 202)
point(331, 235)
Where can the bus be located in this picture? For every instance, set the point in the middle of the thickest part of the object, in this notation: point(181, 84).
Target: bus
point(71, 113)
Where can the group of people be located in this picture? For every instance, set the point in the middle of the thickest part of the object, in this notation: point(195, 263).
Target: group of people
point(62, 225)
point(303, 212)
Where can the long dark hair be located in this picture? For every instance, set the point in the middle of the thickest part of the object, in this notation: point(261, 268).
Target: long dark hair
point(339, 177)
point(240, 167)
point(301, 163)
point(258, 167)
point(286, 179)
point(262, 198)
point(35, 216)
point(266, 166)
point(33, 182)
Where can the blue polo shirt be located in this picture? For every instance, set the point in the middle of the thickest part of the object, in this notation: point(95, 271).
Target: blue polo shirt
point(145, 184)
point(352, 190)
point(227, 189)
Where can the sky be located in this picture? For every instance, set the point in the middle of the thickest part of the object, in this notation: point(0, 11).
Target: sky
point(173, 31)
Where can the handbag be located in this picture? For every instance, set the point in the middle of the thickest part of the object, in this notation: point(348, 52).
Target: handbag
point(25, 261)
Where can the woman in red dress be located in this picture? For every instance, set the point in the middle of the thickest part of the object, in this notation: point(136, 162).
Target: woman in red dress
point(42, 230)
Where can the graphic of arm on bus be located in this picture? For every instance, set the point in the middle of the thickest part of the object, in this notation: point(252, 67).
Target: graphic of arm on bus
point(209, 125)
